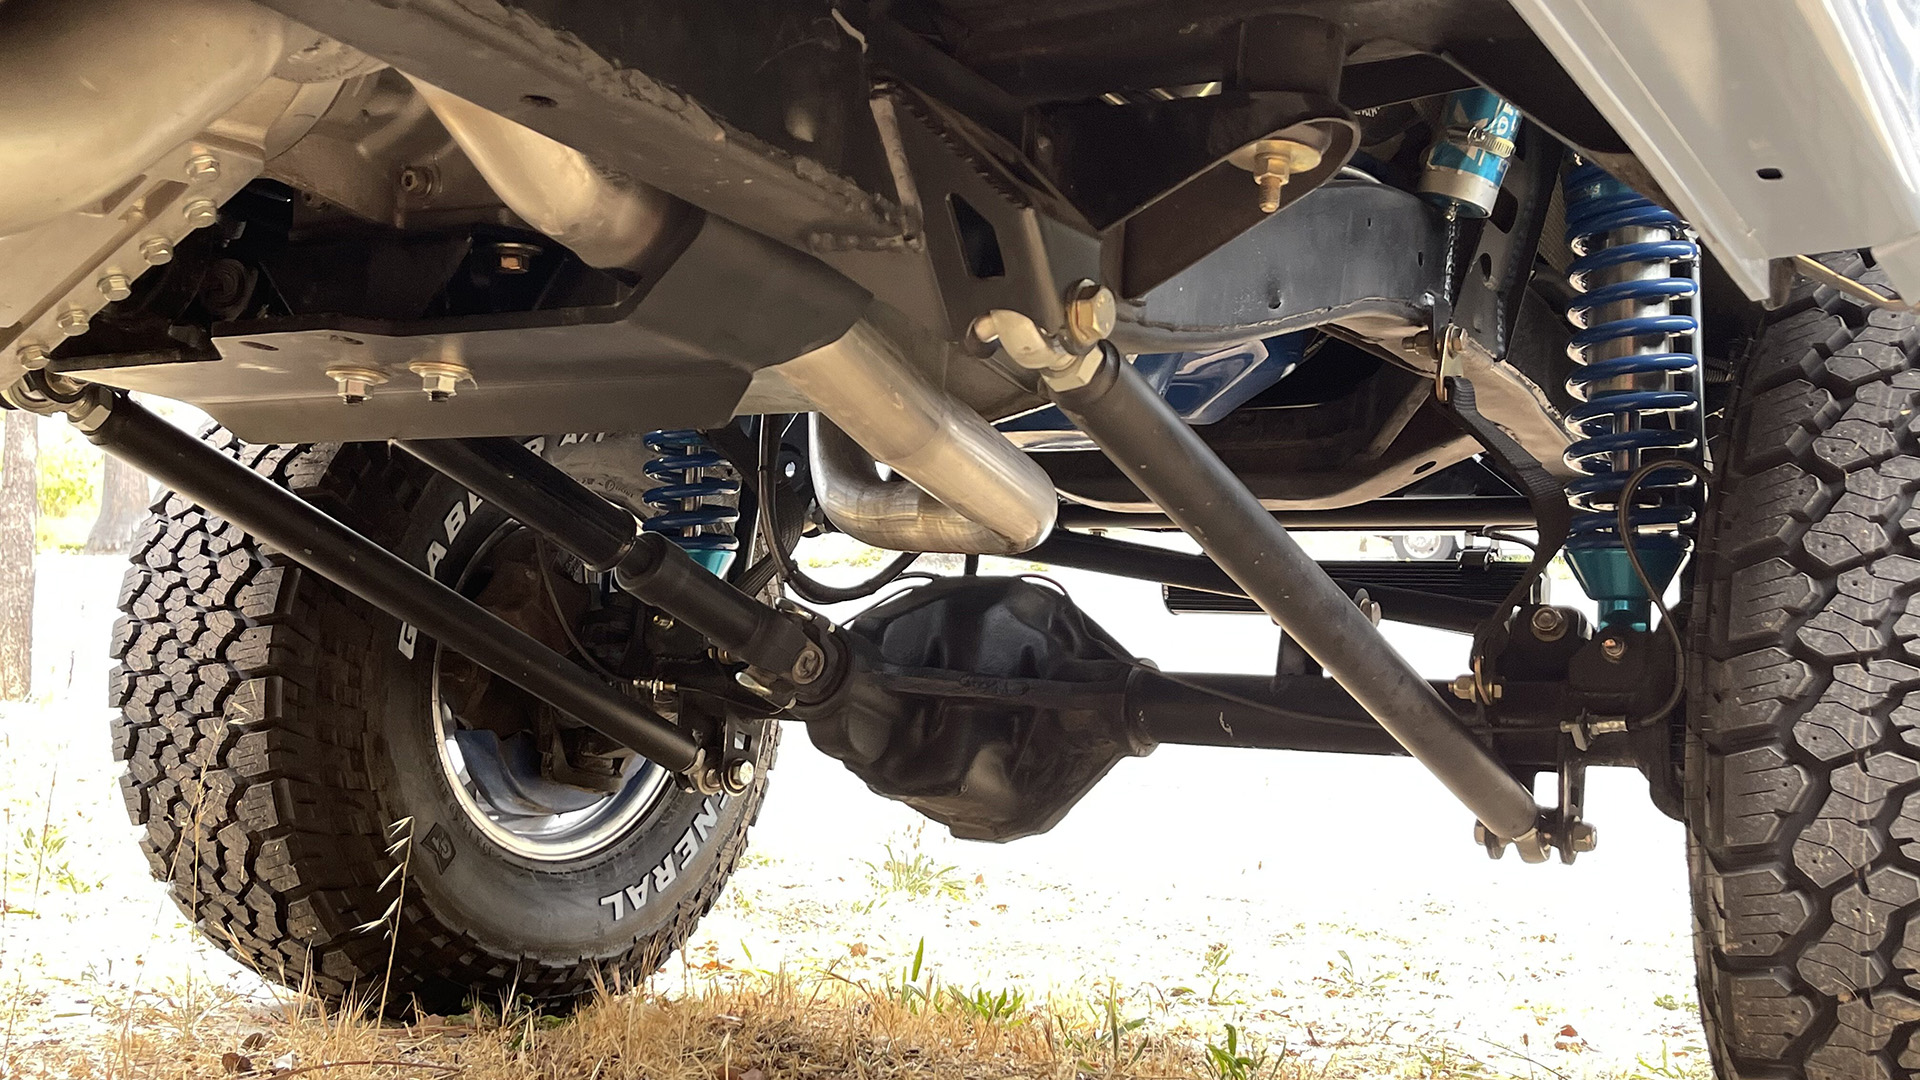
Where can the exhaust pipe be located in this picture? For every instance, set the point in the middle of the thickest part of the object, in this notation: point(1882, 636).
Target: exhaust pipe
point(971, 490)
point(609, 223)
point(894, 514)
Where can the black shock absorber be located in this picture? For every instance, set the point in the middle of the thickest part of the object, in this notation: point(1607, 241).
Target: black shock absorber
point(689, 496)
point(1636, 342)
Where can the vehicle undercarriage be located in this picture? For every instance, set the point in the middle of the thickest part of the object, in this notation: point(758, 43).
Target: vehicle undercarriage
point(538, 333)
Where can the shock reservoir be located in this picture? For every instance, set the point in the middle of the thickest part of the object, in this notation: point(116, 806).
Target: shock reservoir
point(1469, 157)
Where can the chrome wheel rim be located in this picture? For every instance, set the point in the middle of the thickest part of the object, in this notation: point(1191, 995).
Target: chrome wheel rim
point(498, 787)
point(1423, 545)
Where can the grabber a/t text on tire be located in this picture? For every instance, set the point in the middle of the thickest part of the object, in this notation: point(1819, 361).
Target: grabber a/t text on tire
point(299, 760)
point(1804, 766)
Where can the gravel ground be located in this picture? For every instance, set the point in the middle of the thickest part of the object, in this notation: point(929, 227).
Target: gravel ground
point(1333, 906)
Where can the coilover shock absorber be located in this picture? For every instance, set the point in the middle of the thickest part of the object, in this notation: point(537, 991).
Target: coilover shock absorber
point(1636, 342)
point(688, 495)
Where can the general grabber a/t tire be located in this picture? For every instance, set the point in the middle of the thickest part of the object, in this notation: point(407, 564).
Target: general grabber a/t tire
point(1804, 765)
point(283, 758)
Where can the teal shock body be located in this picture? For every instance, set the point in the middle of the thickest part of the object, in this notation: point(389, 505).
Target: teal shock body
point(1469, 158)
point(689, 496)
point(1636, 343)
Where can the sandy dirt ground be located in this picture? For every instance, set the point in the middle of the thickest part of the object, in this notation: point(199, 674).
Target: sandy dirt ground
point(1335, 908)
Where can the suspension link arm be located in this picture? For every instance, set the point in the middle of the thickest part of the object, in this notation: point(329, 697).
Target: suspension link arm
point(775, 643)
point(330, 549)
point(1154, 448)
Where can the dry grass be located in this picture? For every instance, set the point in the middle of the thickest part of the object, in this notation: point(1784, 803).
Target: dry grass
point(738, 1026)
point(728, 1025)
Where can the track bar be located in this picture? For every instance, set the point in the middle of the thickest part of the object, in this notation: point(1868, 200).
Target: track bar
point(1117, 557)
point(1155, 449)
point(1311, 712)
point(301, 532)
point(1431, 513)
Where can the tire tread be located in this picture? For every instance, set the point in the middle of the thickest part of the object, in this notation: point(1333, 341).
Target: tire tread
point(245, 742)
point(1804, 766)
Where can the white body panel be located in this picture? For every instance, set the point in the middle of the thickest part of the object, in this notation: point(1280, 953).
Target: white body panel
point(1716, 95)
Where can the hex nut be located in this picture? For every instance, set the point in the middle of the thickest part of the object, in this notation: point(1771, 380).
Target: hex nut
point(353, 384)
point(72, 322)
point(32, 357)
point(91, 410)
point(1274, 162)
point(514, 257)
point(1548, 624)
point(1076, 373)
point(441, 379)
point(1467, 688)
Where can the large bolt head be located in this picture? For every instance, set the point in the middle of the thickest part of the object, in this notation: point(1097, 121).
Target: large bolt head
point(203, 167)
point(1091, 313)
point(114, 286)
point(201, 213)
point(72, 322)
point(739, 776)
point(156, 250)
point(1613, 648)
point(1548, 624)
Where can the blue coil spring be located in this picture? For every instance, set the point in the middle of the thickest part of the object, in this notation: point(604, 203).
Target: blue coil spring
point(1654, 406)
point(688, 492)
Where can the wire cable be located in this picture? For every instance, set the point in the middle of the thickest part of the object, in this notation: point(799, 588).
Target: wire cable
point(542, 555)
point(809, 589)
point(1624, 513)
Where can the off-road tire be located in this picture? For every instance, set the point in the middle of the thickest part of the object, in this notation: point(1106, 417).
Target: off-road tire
point(1445, 546)
point(1803, 772)
point(274, 758)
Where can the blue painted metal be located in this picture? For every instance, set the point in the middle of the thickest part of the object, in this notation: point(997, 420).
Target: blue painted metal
point(1469, 157)
point(687, 495)
point(1203, 388)
point(1639, 383)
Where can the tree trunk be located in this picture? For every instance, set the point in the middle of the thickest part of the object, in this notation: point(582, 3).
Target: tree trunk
point(124, 495)
point(19, 507)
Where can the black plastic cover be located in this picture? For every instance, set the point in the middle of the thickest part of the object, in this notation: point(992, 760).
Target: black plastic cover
point(991, 705)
